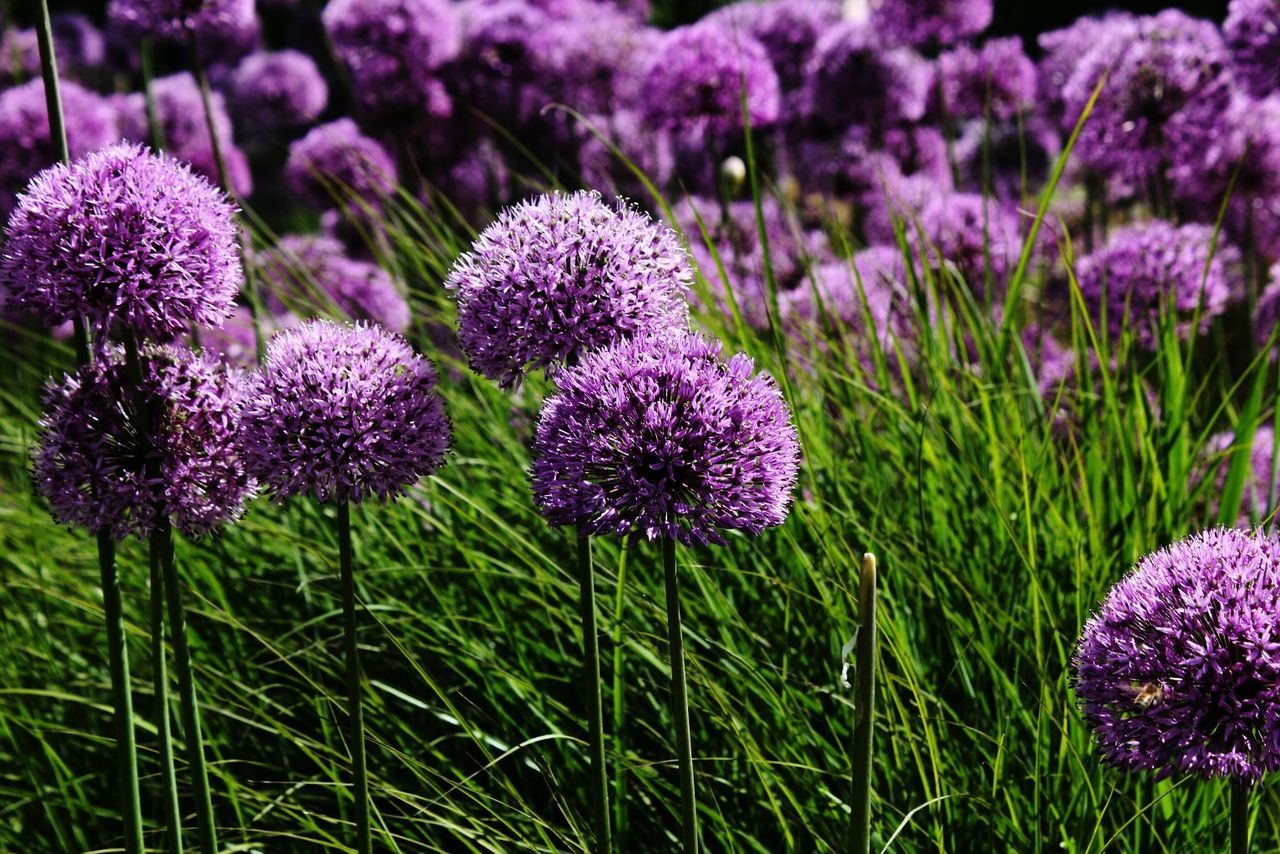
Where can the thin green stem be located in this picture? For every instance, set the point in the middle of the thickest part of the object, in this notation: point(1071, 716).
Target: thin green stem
point(121, 696)
point(160, 688)
point(619, 700)
point(52, 88)
point(154, 128)
point(680, 701)
point(864, 698)
point(591, 687)
point(355, 709)
point(1239, 817)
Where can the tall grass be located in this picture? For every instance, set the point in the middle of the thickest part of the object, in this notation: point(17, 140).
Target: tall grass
point(999, 516)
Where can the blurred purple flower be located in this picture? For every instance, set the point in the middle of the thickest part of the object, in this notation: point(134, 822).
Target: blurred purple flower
point(335, 161)
point(1005, 157)
point(788, 30)
point(853, 79)
point(278, 91)
point(929, 22)
point(1252, 32)
point(224, 29)
point(972, 235)
point(1061, 53)
point(996, 80)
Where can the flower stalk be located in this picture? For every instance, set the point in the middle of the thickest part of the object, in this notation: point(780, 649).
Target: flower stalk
point(680, 702)
point(355, 709)
point(864, 695)
point(1239, 817)
point(595, 704)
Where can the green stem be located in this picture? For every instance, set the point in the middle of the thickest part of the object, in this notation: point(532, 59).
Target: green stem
point(160, 682)
point(591, 687)
point(354, 704)
point(52, 88)
point(864, 697)
point(187, 698)
point(154, 128)
point(1239, 817)
point(121, 696)
point(680, 701)
point(619, 699)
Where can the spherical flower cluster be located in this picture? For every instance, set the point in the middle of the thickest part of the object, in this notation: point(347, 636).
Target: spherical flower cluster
point(699, 76)
point(929, 22)
point(1061, 52)
point(310, 271)
point(343, 413)
point(224, 29)
point(511, 60)
point(278, 90)
point(185, 128)
point(594, 61)
point(122, 236)
point(973, 236)
point(25, 146)
point(1007, 158)
point(853, 79)
point(1179, 671)
point(392, 49)
point(1252, 31)
point(92, 456)
point(658, 436)
point(79, 43)
point(788, 30)
point(559, 275)
point(1156, 266)
point(334, 161)
point(1166, 86)
point(997, 80)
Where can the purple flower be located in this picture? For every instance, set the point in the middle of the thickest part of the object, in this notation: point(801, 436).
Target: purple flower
point(658, 436)
point(996, 80)
point(1156, 266)
point(1252, 32)
point(698, 77)
point(335, 161)
point(788, 30)
point(973, 236)
point(853, 79)
point(278, 90)
point(900, 203)
point(1007, 157)
point(1062, 51)
point(224, 29)
point(597, 61)
point(845, 292)
point(392, 49)
point(1166, 87)
point(308, 272)
point(1179, 670)
point(343, 413)
point(122, 236)
point(79, 43)
point(90, 463)
point(560, 275)
point(25, 146)
point(180, 112)
point(929, 22)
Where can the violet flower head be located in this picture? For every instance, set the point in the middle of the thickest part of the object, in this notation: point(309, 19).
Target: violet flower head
point(997, 80)
point(1252, 32)
point(511, 60)
point(1179, 671)
point(853, 79)
point(1004, 156)
point(1062, 51)
point(929, 22)
point(788, 30)
point(122, 236)
point(180, 111)
point(334, 161)
point(91, 466)
point(699, 76)
point(343, 413)
point(658, 436)
point(279, 90)
point(1167, 84)
point(25, 144)
point(392, 49)
point(224, 29)
point(972, 235)
point(1155, 266)
point(559, 275)
point(313, 272)
point(78, 41)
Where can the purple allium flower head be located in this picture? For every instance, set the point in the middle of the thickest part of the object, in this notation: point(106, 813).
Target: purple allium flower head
point(1252, 31)
point(91, 467)
point(901, 202)
point(335, 160)
point(509, 61)
point(597, 62)
point(180, 111)
point(929, 22)
point(997, 80)
point(1179, 670)
point(972, 234)
point(657, 436)
point(393, 48)
point(25, 145)
point(224, 29)
point(1062, 51)
point(122, 236)
point(699, 75)
point(788, 30)
point(559, 275)
point(1157, 265)
point(78, 41)
point(310, 271)
point(1166, 86)
point(853, 79)
point(648, 148)
point(850, 167)
point(343, 413)
point(1000, 156)
point(279, 90)
point(919, 150)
